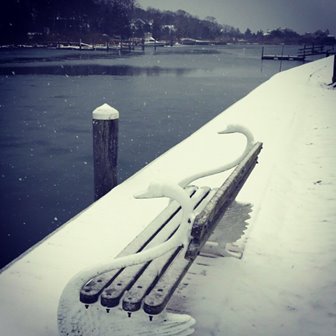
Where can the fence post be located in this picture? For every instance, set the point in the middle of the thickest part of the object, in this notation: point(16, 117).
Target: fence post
point(105, 121)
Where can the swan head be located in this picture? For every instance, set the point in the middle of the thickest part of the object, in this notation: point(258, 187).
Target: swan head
point(159, 189)
point(154, 190)
point(170, 190)
point(232, 128)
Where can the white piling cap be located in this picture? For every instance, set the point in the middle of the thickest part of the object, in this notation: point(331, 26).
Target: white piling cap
point(105, 112)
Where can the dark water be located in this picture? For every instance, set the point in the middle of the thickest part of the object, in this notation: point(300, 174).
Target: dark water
point(46, 101)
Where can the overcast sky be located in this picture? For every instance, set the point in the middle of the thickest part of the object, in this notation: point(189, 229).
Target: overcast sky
point(299, 15)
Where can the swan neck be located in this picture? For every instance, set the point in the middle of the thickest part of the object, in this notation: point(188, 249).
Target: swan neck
point(249, 142)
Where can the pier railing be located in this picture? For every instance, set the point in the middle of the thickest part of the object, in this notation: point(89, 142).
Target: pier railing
point(281, 56)
point(316, 49)
point(305, 51)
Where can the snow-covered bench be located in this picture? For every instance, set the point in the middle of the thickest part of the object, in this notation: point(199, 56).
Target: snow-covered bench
point(150, 285)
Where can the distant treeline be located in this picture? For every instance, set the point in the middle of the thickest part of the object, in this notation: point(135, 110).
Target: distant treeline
point(41, 21)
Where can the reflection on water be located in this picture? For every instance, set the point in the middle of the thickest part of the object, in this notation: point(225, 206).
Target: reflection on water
point(46, 101)
point(188, 51)
point(92, 69)
point(45, 55)
point(61, 56)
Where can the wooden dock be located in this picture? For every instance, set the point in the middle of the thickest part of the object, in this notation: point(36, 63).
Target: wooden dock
point(283, 58)
point(305, 51)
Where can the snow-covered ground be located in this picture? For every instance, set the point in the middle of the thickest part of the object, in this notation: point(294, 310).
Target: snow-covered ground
point(286, 282)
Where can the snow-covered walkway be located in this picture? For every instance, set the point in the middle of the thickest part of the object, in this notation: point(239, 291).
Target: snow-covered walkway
point(286, 282)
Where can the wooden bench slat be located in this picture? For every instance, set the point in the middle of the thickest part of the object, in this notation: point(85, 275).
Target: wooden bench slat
point(132, 300)
point(92, 289)
point(111, 295)
point(156, 301)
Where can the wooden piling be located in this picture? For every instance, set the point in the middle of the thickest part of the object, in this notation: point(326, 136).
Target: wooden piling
point(334, 71)
point(281, 57)
point(105, 121)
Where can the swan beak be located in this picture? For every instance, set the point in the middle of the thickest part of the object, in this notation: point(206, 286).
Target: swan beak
point(142, 195)
point(226, 131)
point(229, 129)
